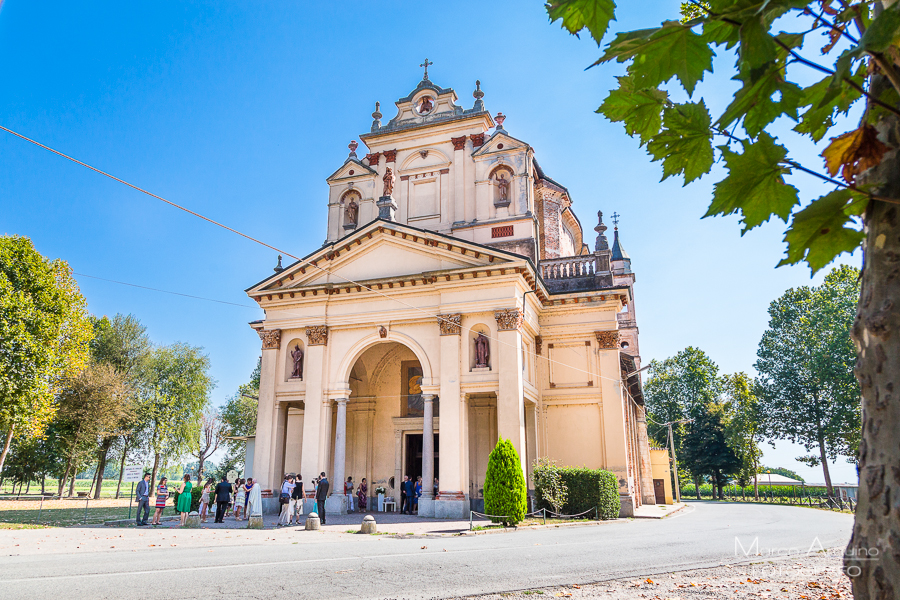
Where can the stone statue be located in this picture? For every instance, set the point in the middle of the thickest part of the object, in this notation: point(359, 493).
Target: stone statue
point(482, 351)
point(426, 105)
point(297, 356)
point(388, 182)
point(352, 212)
point(503, 185)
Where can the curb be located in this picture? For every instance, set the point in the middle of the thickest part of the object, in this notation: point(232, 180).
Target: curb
point(130, 522)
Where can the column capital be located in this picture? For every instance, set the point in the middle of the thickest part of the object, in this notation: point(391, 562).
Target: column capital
point(608, 340)
point(428, 397)
point(271, 339)
point(459, 143)
point(450, 324)
point(317, 335)
point(341, 401)
point(509, 319)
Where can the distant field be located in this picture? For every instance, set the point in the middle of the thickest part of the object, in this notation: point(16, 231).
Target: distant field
point(66, 512)
point(81, 485)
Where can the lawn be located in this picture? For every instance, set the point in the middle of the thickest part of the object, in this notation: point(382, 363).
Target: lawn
point(64, 513)
point(81, 485)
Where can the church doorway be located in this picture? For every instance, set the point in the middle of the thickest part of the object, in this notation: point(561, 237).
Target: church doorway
point(413, 452)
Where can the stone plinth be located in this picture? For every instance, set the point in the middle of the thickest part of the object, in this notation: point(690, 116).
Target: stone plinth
point(626, 506)
point(255, 522)
point(387, 208)
point(454, 506)
point(336, 504)
point(312, 522)
point(193, 521)
point(426, 507)
point(368, 525)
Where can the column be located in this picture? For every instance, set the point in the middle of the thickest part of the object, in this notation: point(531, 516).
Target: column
point(531, 414)
point(311, 457)
point(615, 426)
point(511, 396)
point(264, 442)
point(398, 466)
point(446, 216)
point(459, 194)
point(454, 442)
point(279, 443)
point(426, 502)
point(340, 460)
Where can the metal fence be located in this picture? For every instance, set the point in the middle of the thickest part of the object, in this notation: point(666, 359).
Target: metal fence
point(801, 495)
point(64, 511)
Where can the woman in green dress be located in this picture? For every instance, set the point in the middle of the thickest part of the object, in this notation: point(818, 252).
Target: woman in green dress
point(184, 499)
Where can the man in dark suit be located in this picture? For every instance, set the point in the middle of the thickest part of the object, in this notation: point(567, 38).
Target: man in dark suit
point(142, 495)
point(223, 499)
point(321, 495)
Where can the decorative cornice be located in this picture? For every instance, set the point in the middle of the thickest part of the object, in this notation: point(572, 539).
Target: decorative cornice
point(271, 339)
point(459, 143)
point(390, 156)
point(317, 335)
point(608, 340)
point(450, 324)
point(509, 319)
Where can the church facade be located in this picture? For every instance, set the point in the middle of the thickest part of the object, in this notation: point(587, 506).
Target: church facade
point(455, 301)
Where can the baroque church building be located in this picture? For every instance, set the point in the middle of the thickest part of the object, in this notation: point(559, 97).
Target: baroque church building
point(455, 301)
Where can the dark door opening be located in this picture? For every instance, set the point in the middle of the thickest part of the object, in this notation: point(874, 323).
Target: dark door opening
point(413, 463)
point(659, 491)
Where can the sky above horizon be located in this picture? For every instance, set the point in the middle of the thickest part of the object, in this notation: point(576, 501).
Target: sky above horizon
point(240, 111)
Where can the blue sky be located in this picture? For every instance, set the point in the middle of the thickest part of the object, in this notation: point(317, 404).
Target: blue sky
point(240, 110)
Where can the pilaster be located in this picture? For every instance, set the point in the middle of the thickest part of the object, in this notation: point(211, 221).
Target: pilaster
point(511, 397)
point(264, 443)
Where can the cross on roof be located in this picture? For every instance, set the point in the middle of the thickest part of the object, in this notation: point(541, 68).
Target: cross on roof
point(426, 64)
point(615, 219)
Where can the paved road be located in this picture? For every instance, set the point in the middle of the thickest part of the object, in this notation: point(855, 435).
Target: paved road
point(327, 565)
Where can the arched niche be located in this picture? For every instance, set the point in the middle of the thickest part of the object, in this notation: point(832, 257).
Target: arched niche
point(350, 202)
point(289, 350)
point(501, 178)
point(474, 332)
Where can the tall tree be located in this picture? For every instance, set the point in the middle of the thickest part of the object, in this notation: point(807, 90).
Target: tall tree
point(239, 416)
point(44, 334)
point(858, 72)
point(123, 343)
point(209, 440)
point(176, 393)
point(744, 417)
point(706, 446)
point(805, 364)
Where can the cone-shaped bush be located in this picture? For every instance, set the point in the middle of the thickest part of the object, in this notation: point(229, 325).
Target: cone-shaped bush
point(504, 485)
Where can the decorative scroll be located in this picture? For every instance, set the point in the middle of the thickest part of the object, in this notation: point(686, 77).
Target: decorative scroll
point(608, 340)
point(271, 339)
point(509, 319)
point(317, 335)
point(450, 324)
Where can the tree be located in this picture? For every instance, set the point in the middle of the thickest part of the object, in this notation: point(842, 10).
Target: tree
point(123, 343)
point(177, 388)
point(676, 389)
point(44, 334)
point(90, 405)
point(744, 430)
point(549, 482)
point(505, 494)
point(706, 447)
point(805, 364)
point(209, 440)
point(861, 56)
point(239, 415)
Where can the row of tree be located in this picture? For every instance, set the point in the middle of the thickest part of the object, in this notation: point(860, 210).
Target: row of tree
point(805, 390)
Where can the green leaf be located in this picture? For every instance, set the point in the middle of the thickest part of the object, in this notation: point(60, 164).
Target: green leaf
point(754, 102)
point(640, 110)
point(595, 15)
point(818, 233)
point(685, 144)
point(757, 45)
point(657, 55)
point(825, 102)
point(755, 184)
point(721, 32)
point(883, 31)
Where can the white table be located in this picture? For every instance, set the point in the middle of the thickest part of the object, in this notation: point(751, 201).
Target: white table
point(393, 506)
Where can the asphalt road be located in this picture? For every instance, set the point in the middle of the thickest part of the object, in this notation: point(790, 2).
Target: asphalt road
point(323, 566)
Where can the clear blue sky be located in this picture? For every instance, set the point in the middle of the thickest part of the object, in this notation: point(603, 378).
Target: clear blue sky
point(240, 110)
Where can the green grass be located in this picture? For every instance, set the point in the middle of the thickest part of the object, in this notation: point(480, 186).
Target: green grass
point(15, 526)
point(81, 485)
point(65, 517)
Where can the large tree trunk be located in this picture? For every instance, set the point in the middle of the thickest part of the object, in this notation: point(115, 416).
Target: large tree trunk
point(697, 487)
point(72, 483)
point(877, 334)
point(6, 445)
point(153, 475)
point(64, 478)
point(101, 463)
point(122, 466)
point(823, 456)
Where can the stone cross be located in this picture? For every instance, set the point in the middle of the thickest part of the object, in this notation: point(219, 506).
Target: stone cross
point(615, 219)
point(426, 64)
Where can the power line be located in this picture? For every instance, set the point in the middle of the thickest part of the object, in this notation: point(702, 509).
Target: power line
point(144, 287)
point(284, 252)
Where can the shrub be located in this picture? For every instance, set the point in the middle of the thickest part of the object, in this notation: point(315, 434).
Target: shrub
point(196, 493)
point(587, 489)
point(504, 485)
point(549, 484)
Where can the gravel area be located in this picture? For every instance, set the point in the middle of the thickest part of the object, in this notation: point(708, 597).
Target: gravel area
point(806, 577)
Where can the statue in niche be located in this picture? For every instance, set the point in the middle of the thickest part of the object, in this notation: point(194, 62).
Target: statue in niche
point(388, 182)
point(351, 212)
point(482, 351)
point(425, 105)
point(503, 187)
point(297, 357)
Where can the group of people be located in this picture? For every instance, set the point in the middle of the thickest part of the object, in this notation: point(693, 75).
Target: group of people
point(238, 498)
point(411, 491)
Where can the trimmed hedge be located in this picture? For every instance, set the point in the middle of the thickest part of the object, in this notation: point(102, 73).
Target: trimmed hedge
point(588, 488)
point(505, 492)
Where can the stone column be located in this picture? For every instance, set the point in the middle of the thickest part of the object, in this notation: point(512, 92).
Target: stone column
point(264, 444)
point(454, 443)
point(426, 502)
point(398, 466)
point(311, 456)
point(337, 502)
point(280, 442)
point(511, 396)
point(615, 425)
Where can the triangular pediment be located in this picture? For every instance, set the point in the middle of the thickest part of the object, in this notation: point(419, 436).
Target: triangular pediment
point(383, 250)
point(352, 169)
point(500, 136)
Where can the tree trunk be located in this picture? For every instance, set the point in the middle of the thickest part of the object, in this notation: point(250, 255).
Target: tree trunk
point(200, 469)
point(697, 487)
point(122, 466)
point(153, 475)
point(43, 483)
point(824, 458)
point(64, 478)
point(6, 445)
point(876, 332)
point(101, 463)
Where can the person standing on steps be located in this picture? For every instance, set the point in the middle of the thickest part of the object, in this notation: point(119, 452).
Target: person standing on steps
point(223, 498)
point(321, 495)
point(142, 494)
